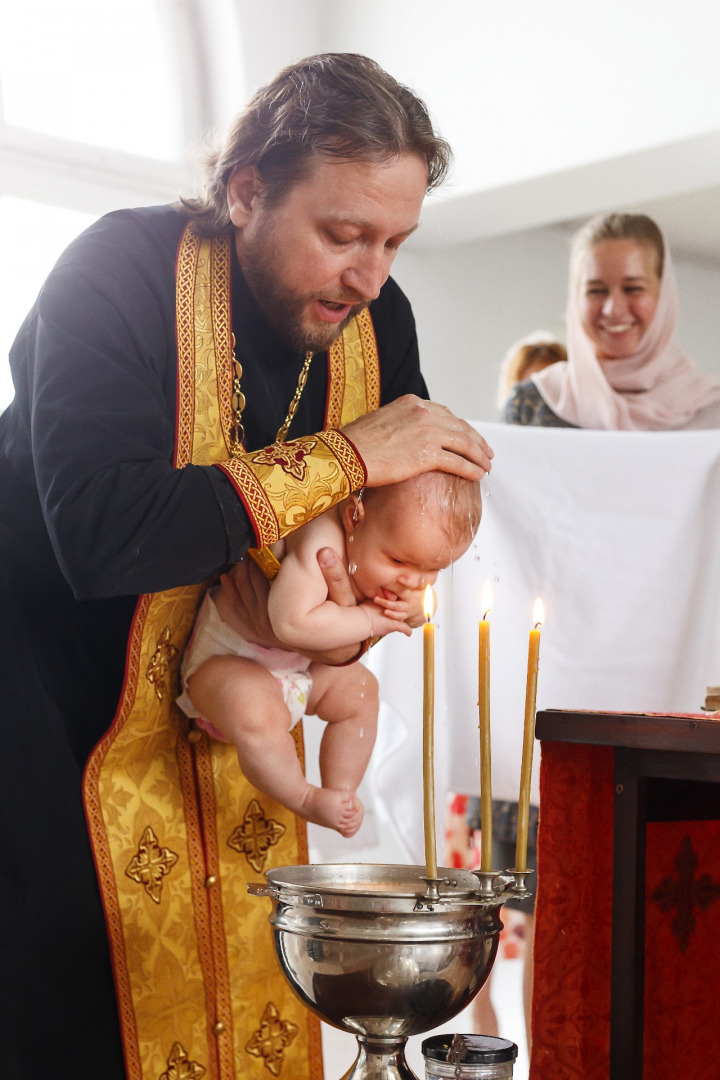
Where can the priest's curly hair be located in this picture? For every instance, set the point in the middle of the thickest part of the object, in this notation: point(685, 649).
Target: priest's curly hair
point(343, 105)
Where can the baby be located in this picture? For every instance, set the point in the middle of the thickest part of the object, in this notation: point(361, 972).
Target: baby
point(393, 540)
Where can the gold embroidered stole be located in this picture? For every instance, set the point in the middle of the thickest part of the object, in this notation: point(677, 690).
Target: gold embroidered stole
point(176, 829)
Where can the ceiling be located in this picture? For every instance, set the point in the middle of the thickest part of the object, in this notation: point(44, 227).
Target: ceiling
point(691, 222)
point(678, 184)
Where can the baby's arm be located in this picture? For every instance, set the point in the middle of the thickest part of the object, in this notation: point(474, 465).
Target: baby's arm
point(302, 615)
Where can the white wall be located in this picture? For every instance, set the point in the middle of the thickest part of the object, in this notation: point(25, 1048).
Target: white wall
point(699, 322)
point(555, 111)
point(522, 88)
point(275, 33)
point(472, 302)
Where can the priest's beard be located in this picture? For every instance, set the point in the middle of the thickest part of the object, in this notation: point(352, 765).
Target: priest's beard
point(285, 308)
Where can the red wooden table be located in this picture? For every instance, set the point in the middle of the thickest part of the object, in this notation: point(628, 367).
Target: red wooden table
point(665, 768)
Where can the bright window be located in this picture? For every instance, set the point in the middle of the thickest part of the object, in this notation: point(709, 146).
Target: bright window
point(92, 72)
point(99, 103)
point(33, 238)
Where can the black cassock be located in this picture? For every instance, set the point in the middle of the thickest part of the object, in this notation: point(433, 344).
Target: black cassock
point(93, 514)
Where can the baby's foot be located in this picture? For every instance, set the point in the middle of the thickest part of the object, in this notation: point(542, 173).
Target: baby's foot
point(335, 809)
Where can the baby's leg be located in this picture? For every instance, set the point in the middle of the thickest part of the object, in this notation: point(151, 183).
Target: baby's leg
point(347, 699)
point(245, 703)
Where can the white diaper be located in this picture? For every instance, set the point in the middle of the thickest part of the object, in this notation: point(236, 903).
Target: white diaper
point(213, 637)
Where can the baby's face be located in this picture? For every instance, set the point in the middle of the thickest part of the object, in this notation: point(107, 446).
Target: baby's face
point(397, 549)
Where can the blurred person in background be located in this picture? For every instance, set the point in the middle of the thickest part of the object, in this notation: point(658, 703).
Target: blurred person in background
point(526, 357)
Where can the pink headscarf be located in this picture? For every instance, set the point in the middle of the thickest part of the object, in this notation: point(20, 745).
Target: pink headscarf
point(656, 388)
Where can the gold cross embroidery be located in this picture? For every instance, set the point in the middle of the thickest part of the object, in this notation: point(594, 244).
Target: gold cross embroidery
point(180, 1068)
point(165, 653)
point(255, 835)
point(271, 1039)
point(150, 864)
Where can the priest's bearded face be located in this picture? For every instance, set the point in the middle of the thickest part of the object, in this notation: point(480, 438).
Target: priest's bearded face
point(323, 252)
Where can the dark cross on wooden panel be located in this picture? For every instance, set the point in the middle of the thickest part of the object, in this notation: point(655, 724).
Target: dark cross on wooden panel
point(685, 893)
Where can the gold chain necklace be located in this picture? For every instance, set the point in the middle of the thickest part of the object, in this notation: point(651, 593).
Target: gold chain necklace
point(282, 432)
point(237, 431)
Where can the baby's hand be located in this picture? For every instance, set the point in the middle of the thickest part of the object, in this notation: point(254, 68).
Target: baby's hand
point(391, 604)
point(413, 600)
point(385, 621)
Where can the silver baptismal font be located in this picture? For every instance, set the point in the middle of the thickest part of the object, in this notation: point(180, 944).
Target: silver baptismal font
point(383, 951)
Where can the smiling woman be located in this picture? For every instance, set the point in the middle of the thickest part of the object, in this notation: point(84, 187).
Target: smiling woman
point(619, 293)
point(625, 370)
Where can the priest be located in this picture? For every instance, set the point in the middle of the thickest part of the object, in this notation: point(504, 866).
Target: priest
point(194, 382)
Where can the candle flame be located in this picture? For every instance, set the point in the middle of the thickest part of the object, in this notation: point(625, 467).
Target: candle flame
point(486, 599)
point(538, 613)
point(428, 603)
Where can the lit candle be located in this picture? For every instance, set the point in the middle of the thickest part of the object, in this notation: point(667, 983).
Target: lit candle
point(429, 733)
point(528, 738)
point(484, 724)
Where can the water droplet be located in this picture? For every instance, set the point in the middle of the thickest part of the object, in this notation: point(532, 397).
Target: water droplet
point(352, 568)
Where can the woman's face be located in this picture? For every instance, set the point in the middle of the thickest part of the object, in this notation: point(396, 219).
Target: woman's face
point(619, 290)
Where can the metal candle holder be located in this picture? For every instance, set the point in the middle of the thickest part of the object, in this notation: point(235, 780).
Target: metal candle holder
point(382, 951)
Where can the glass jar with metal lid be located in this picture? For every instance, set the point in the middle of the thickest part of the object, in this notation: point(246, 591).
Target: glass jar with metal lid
point(468, 1057)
